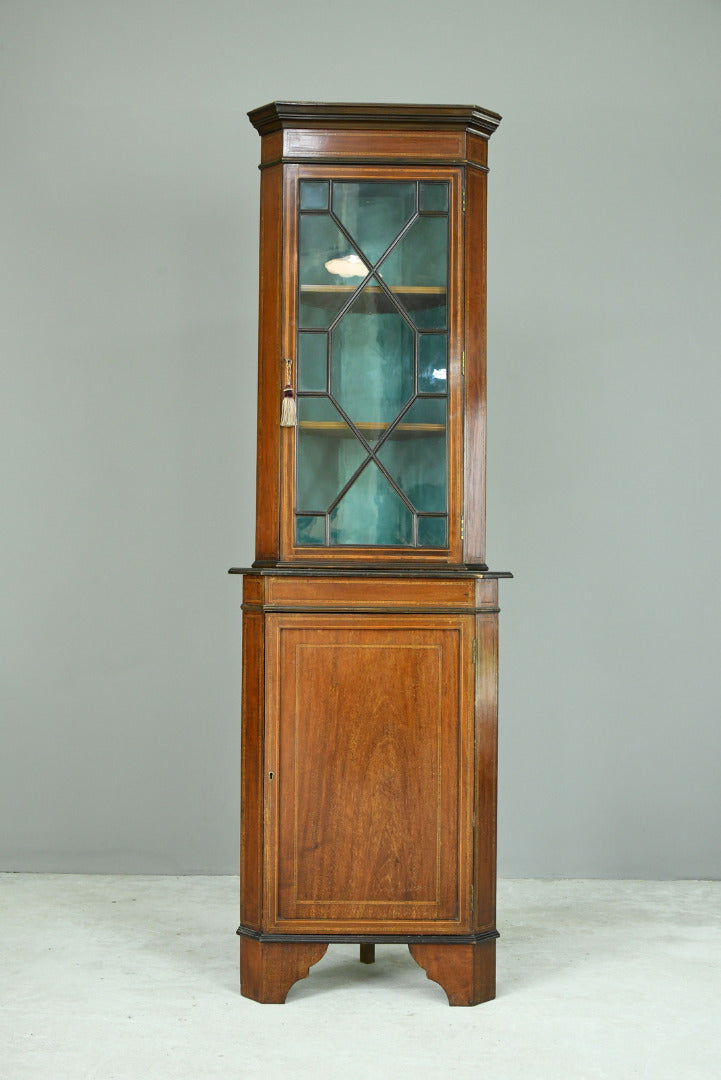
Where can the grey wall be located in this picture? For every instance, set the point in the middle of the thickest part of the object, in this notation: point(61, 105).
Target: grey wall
point(128, 224)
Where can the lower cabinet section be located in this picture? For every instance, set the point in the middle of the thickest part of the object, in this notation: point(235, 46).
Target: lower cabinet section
point(368, 753)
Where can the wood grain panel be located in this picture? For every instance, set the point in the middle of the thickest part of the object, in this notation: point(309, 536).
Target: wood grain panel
point(477, 149)
point(475, 381)
point(366, 592)
point(385, 145)
point(268, 970)
point(371, 760)
point(456, 389)
point(486, 740)
point(271, 147)
point(486, 592)
point(382, 756)
point(251, 782)
point(267, 508)
point(253, 589)
point(467, 973)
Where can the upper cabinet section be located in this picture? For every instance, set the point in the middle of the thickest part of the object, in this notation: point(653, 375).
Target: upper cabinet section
point(372, 316)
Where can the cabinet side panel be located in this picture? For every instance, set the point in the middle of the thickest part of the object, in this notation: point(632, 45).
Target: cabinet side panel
point(475, 381)
point(484, 915)
point(269, 364)
point(477, 149)
point(251, 781)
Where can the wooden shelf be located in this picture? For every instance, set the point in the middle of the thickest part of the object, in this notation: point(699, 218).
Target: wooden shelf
point(427, 290)
point(370, 425)
point(374, 300)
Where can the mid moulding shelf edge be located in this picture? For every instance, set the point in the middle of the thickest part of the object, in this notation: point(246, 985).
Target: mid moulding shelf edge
point(367, 425)
point(435, 290)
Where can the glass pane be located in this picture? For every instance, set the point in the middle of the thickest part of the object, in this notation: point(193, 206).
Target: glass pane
point(367, 343)
point(313, 362)
point(432, 363)
point(372, 361)
point(371, 512)
point(373, 212)
point(314, 194)
point(327, 454)
point(323, 292)
point(433, 196)
point(432, 531)
point(310, 529)
point(417, 269)
point(415, 455)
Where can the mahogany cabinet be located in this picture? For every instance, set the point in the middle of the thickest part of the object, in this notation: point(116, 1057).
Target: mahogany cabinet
point(368, 785)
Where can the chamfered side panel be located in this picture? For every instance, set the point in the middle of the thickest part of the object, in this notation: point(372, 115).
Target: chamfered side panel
point(251, 782)
point(371, 744)
point(486, 743)
point(269, 367)
point(475, 380)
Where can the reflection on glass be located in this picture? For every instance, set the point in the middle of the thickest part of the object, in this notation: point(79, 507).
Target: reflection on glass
point(415, 455)
point(310, 529)
point(371, 512)
point(418, 268)
point(372, 360)
point(373, 212)
point(433, 196)
point(347, 266)
point(314, 194)
point(322, 294)
point(327, 454)
point(432, 363)
point(312, 362)
point(432, 531)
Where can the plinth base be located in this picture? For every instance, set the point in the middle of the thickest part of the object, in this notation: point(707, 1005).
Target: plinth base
point(465, 969)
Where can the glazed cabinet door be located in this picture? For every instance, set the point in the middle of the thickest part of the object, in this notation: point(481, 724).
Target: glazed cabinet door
point(369, 773)
point(373, 469)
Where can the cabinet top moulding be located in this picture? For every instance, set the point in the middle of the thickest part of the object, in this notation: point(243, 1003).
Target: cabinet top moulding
point(293, 114)
point(297, 131)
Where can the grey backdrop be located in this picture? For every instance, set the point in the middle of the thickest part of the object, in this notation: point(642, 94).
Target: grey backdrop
point(129, 221)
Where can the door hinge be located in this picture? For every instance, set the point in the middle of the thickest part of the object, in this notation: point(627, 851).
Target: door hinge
point(472, 898)
point(461, 526)
point(463, 200)
point(474, 651)
point(463, 363)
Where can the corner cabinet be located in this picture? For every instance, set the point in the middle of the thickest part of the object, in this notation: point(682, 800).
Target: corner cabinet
point(368, 788)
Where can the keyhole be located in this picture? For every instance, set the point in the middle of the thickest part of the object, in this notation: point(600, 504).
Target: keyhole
point(271, 775)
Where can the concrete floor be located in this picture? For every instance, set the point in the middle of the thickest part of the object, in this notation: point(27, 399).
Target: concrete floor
point(135, 978)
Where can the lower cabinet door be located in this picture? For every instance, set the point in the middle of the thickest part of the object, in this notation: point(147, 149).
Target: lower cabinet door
point(369, 773)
